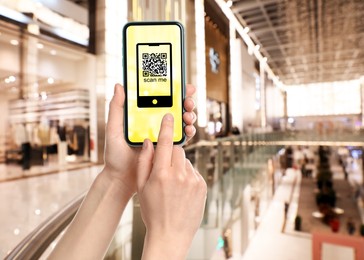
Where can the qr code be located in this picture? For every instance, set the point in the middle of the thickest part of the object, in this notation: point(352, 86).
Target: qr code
point(154, 64)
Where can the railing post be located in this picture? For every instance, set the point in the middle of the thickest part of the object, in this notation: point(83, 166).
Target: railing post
point(220, 160)
point(232, 155)
point(200, 160)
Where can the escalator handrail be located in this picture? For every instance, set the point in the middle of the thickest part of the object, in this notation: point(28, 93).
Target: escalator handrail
point(34, 244)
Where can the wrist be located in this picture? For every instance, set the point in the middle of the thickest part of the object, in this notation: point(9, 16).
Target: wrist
point(162, 246)
point(119, 184)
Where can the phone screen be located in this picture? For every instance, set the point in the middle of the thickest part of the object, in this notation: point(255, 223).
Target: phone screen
point(154, 79)
point(153, 55)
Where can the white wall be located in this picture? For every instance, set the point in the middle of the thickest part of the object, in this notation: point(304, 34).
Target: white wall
point(248, 98)
point(275, 104)
point(57, 67)
point(9, 58)
point(242, 85)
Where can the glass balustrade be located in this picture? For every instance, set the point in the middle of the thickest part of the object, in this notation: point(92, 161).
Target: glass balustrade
point(242, 173)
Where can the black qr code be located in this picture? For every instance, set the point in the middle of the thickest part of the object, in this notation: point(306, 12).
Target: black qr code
point(154, 64)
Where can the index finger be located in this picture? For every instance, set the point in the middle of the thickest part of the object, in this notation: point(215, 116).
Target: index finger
point(164, 149)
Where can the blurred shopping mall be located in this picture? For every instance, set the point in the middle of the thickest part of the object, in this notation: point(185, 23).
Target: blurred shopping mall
point(280, 128)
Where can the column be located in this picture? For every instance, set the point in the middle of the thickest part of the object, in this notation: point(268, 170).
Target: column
point(111, 16)
point(28, 67)
point(285, 110)
point(263, 107)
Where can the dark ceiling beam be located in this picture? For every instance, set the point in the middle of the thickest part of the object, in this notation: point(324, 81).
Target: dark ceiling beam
point(242, 6)
point(309, 74)
point(356, 37)
point(315, 55)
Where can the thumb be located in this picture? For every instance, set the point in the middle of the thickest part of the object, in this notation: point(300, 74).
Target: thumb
point(145, 163)
point(115, 124)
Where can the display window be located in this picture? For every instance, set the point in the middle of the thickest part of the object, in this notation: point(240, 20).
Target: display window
point(45, 102)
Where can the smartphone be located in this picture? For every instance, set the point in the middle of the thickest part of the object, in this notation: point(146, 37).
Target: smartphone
point(154, 79)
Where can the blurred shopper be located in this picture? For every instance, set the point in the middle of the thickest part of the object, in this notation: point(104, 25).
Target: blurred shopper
point(62, 144)
point(170, 192)
point(21, 138)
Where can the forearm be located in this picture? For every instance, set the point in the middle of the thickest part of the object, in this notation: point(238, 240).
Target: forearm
point(94, 225)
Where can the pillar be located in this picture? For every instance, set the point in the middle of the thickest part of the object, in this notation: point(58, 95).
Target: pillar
point(263, 106)
point(111, 16)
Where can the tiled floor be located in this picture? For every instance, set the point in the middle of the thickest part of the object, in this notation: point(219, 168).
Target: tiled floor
point(270, 242)
point(25, 203)
point(14, 171)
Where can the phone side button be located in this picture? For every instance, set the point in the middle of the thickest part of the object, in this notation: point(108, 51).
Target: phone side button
point(154, 101)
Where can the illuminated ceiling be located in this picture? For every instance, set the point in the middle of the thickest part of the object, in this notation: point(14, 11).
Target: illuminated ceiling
point(307, 41)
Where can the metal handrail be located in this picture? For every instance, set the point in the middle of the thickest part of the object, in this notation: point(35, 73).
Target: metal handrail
point(34, 245)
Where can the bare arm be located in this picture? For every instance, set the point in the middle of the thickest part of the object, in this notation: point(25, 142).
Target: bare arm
point(91, 231)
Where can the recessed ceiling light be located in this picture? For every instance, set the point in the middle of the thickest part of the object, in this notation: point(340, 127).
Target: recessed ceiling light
point(50, 80)
point(53, 52)
point(12, 79)
point(40, 45)
point(14, 42)
point(16, 231)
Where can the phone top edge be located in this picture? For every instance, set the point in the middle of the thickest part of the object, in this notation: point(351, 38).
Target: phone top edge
point(128, 24)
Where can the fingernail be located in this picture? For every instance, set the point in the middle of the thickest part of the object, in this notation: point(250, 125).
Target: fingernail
point(168, 117)
point(145, 144)
point(115, 88)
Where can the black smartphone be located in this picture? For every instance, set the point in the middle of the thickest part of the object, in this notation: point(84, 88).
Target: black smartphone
point(154, 79)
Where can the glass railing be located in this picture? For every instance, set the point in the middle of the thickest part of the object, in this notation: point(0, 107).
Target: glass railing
point(242, 173)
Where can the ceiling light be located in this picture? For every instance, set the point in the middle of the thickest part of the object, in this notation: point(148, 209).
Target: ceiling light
point(229, 3)
point(50, 80)
point(7, 80)
point(43, 96)
point(12, 79)
point(14, 42)
point(40, 46)
point(53, 52)
point(16, 231)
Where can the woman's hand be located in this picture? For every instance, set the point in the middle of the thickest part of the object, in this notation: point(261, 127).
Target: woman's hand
point(172, 196)
point(120, 158)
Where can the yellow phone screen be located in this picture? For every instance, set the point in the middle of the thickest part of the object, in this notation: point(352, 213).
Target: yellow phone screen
point(153, 79)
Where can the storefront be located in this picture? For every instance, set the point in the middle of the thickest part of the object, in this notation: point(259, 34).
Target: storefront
point(217, 71)
point(47, 85)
